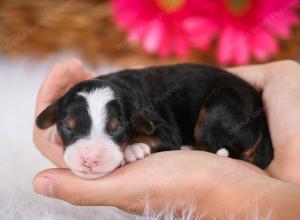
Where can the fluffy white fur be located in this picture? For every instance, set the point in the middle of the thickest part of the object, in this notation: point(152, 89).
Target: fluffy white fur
point(20, 161)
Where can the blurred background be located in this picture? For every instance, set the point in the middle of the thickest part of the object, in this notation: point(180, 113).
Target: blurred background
point(133, 32)
point(109, 35)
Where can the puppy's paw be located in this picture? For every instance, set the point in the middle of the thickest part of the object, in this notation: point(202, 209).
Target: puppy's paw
point(186, 147)
point(136, 151)
point(223, 152)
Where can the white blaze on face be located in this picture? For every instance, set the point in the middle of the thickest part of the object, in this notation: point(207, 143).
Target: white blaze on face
point(96, 154)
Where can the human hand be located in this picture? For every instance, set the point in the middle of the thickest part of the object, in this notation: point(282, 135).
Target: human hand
point(209, 181)
point(214, 186)
point(280, 86)
point(62, 77)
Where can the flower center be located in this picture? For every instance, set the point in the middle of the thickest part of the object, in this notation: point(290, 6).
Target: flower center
point(238, 7)
point(170, 5)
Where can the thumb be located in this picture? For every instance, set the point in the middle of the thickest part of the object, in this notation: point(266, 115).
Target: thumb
point(260, 75)
point(62, 184)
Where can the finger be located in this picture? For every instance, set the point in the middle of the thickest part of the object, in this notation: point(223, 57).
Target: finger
point(62, 184)
point(253, 74)
point(58, 80)
point(77, 71)
point(49, 144)
point(63, 76)
point(53, 83)
point(89, 74)
point(260, 75)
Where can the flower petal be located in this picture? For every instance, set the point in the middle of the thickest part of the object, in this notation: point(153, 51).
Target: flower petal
point(152, 37)
point(263, 45)
point(241, 53)
point(226, 45)
point(281, 26)
point(180, 46)
point(200, 31)
point(165, 47)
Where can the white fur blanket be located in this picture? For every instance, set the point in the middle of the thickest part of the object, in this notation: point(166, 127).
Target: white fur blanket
point(20, 161)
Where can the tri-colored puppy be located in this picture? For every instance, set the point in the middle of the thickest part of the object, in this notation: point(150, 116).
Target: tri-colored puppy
point(122, 117)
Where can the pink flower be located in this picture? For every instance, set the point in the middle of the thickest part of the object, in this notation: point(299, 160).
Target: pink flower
point(242, 29)
point(158, 25)
point(249, 28)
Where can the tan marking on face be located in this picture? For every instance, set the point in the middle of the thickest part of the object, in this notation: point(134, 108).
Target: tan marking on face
point(70, 121)
point(197, 129)
point(113, 124)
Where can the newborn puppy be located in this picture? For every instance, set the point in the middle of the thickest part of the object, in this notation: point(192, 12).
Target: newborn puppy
point(122, 117)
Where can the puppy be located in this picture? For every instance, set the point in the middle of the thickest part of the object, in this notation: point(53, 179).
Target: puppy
point(122, 117)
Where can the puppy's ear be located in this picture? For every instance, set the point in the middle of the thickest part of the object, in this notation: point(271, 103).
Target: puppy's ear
point(142, 125)
point(48, 117)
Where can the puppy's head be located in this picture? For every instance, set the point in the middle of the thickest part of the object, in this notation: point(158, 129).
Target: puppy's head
point(95, 122)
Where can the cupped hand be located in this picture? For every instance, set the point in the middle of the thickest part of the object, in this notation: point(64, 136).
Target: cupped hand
point(215, 185)
point(178, 179)
point(62, 77)
point(280, 86)
point(207, 184)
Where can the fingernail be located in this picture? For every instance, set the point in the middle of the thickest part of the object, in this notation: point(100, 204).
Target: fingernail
point(76, 61)
point(43, 185)
point(74, 64)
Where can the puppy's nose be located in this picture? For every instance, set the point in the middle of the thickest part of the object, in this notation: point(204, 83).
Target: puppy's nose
point(90, 162)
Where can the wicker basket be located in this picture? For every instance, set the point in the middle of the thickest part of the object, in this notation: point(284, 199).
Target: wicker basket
point(42, 27)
